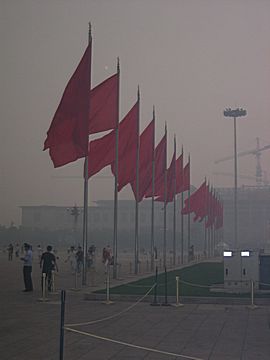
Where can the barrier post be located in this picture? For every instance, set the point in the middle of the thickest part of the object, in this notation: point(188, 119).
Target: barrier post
point(252, 305)
point(43, 298)
point(53, 282)
point(43, 286)
point(76, 279)
point(155, 303)
point(177, 304)
point(108, 301)
point(166, 289)
point(62, 322)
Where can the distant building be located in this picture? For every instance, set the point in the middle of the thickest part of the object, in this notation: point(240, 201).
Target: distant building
point(253, 218)
point(100, 216)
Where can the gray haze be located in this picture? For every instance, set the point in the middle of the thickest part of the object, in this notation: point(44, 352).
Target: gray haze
point(191, 58)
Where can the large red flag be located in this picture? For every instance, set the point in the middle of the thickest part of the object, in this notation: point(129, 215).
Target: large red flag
point(160, 152)
point(127, 147)
point(146, 157)
point(67, 137)
point(102, 150)
point(104, 105)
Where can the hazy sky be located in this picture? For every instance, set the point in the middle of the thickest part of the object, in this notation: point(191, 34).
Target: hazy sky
point(191, 58)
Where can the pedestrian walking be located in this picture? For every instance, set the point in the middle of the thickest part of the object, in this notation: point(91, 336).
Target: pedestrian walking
point(79, 259)
point(17, 250)
point(40, 252)
point(48, 264)
point(72, 259)
point(27, 268)
point(10, 252)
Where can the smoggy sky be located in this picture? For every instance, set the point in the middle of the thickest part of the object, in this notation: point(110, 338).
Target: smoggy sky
point(191, 59)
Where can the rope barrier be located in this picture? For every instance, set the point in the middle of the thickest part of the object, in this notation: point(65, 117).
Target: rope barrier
point(136, 286)
point(114, 315)
point(132, 345)
point(261, 283)
point(195, 285)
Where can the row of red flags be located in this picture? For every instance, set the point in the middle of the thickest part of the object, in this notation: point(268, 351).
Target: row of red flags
point(83, 111)
point(205, 204)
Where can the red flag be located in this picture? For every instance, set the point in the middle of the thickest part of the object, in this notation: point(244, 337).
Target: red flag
point(178, 173)
point(104, 105)
point(212, 206)
point(101, 153)
point(67, 137)
point(146, 157)
point(127, 147)
point(160, 153)
point(102, 150)
point(219, 219)
point(185, 185)
point(202, 209)
point(170, 183)
point(193, 203)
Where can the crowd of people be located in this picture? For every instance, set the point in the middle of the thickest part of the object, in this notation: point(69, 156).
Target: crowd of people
point(47, 261)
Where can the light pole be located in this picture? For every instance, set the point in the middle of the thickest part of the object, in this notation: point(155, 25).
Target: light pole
point(75, 212)
point(235, 113)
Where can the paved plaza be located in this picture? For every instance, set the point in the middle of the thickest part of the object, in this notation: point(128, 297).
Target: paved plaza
point(30, 328)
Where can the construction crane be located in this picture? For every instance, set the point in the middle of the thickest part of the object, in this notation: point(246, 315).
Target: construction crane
point(257, 153)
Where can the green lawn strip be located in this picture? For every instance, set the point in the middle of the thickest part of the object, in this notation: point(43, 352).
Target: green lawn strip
point(201, 276)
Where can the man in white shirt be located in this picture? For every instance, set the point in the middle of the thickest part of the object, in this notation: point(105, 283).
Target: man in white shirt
point(27, 268)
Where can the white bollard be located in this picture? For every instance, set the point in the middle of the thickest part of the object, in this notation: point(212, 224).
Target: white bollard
point(43, 286)
point(76, 282)
point(177, 304)
point(53, 282)
point(76, 279)
point(108, 301)
point(252, 306)
point(43, 299)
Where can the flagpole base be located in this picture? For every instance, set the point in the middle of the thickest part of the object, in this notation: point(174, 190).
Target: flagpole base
point(178, 305)
point(43, 300)
point(108, 302)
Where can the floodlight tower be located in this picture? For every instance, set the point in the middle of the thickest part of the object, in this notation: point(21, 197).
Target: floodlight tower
point(235, 113)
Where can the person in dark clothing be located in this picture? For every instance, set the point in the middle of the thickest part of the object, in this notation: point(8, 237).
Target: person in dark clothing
point(27, 268)
point(79, 259)
point(10, 252)
point(48, 264)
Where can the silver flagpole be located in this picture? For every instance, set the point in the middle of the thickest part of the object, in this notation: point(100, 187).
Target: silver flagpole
point(85, 196)
point(189, 209)
point(165, 205)
point(182, 216)
point(205, 234)
point(137, 189)
point(174, 204)
point(115, 224)
point(153, 196)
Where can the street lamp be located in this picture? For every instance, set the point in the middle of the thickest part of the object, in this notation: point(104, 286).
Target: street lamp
point(235, 113)
point(75, 212)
